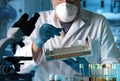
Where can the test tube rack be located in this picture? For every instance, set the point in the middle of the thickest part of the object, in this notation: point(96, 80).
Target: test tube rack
point(63, 53)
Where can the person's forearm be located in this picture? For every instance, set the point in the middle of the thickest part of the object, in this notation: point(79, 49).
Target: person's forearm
point(36, 51)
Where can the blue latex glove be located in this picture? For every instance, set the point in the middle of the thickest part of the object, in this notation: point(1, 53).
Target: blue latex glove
point(75, 64)
point(46, 32)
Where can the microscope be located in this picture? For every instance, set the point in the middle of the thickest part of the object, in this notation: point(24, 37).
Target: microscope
point(9, 65)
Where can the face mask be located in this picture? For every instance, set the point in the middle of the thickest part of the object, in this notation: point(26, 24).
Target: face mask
point(66, 12)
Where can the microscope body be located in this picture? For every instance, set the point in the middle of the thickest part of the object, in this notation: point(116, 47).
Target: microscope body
point(9, 66)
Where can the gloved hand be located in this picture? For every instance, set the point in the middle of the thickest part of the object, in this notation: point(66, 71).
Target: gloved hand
point(46, 32)
point(75, 64)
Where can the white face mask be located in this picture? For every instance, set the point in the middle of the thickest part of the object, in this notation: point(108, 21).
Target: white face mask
point(66, 12)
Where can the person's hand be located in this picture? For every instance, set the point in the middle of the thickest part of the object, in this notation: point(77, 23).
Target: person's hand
point(75, 64)
point(46, 32)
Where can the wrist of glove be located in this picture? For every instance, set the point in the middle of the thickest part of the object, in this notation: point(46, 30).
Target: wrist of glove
point(39, 42)
point(46, 32)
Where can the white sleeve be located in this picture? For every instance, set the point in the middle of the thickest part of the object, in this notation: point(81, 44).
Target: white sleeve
point(109, 50)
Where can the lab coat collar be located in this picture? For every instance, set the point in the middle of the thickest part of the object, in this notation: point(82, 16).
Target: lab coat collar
point(82, 21)
point(78, 23)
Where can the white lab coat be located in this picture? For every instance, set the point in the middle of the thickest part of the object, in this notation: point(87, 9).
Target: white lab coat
point(88, 24)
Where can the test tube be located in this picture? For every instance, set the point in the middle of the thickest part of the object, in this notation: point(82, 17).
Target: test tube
point(90, 72)
point(112, 76)
point(58, 77)
point(113, 69)
point(104, 69)
point(98, 77)
point(101, 73)
point(104, 72)
point(51, 77)
point(97, 73)
point(109, 69)
point(81, 72)
point(114, 72)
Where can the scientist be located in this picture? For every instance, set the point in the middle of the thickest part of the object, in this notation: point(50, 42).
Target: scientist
point(77, 24)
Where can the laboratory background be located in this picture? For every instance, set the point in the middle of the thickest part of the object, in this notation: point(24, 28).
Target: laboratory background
point(12, 10)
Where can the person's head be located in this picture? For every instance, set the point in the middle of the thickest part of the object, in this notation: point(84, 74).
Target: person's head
point(66, 10)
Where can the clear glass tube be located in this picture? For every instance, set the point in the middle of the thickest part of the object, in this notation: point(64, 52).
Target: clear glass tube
point(81, 72)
